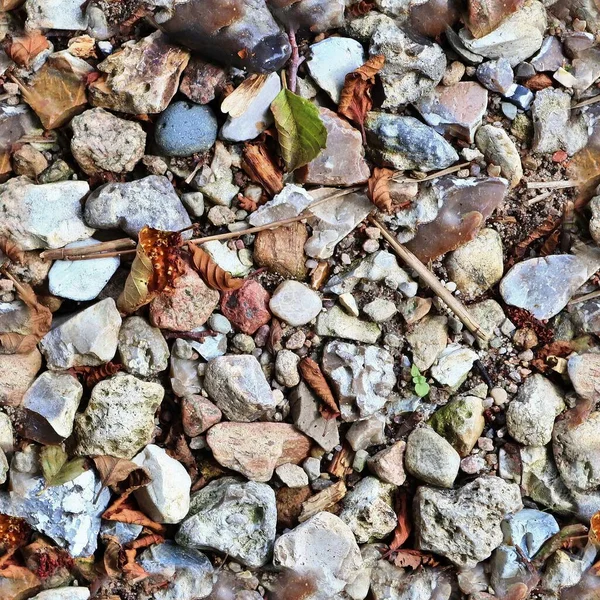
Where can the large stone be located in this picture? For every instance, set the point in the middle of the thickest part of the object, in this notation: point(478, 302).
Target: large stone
point(464, 525)
point(336, 323)
point(233, 517)
point(500, 150)
point(88, 338)
point(43, 216)
point(584, 372)
point(17, 372)
point(55, 14)
point(295, 303)
point(142, 348)
point(428, 339)
point(141, 77)
point(237, 385)
point(64, 593)
point(247, 307)
point(530, 416)
point(281, 250)
point(405, 143)
point(325, 547)
point(256, 449)
point(119, 419)
point(130, 206)
point(362, 376)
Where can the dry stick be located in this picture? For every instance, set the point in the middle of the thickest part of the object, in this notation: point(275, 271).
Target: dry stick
point(459, 309)
point(586, 102)
point(435, 175)
point(539, 198)
point(552, 185)
point(585, 297)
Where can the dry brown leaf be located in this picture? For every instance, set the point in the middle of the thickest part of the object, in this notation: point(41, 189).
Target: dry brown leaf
point(212, 274)
point(236, 104)
point(546, 227)
point(120, 474)
point(124, 510)
point(14, 533)
point(414, 559)
point(246, 204)
point(595, 529)
point(379, 189)
point(404, 526)
point(275, 335)
point(314, 378)
point(25, 48)
point(24, 582)
point(110, 558)
point(358, 9)
point(11, 250)
point(261, 168)
point(6, 5)
point(355, 99)
point(145, 541)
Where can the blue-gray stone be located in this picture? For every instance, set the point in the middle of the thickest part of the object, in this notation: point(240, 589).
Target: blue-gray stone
point(185, 128)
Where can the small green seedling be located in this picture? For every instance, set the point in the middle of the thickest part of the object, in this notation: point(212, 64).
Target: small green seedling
point(421, 385)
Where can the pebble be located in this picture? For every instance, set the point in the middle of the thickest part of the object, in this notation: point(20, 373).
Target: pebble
point(244, 343)
point(509, 110)
point(221, 215)
point(336, 323)
point(499, 149)
point(292, 475)
point(143, 349)
point(388, 464)
point(550, 57)
point(520, 96)
point(6, 433)
point(288, 203)
point(226, 258)
point(380, 310)
point(584, 373)
point(312, 467)
point(247, 308)
point(17, 372)
point(198, 415)
point(473, 465)
point(193, 202)
point(428, 339)
point(499, 395)
point(348, 301)
point(367, 432)
point(219, 323)
point(454, 73)
point(295, 303)
point(28, 161)
point(496, 75)
point(286, 368)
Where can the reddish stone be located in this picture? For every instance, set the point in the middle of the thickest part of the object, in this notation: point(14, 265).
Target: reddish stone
point(538, 82)
point(289, 505)
point(484, 16)
point(433, 17)
point(198, 414)
point(248, 307)
point(559, 156)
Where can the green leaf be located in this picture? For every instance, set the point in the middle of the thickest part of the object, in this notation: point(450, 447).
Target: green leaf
point(302, 134)
point(422, 388)
point(55, 467)
point(414, 371)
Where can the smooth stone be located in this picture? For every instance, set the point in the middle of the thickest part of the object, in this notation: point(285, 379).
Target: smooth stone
point(520, 96)
point(232, 517)
point(166, 499)
point(55, 14)
point(292, 476)
point(500, 150)
point(453, 365)
point(286, 368)
point(88, 338)
point(366, 432)
point(529, 529)
point(119, 419)
point(336, 323)
point(288, 203)
point(17, 372)
point(380, 310)
point(295, 303)
point(331, 60)
point(584, 373)
point(388, 464)
point(143, 349)
point(81, 280)
point(594, 225)
point(496, 75)
point(428, 338)
point(64, 593)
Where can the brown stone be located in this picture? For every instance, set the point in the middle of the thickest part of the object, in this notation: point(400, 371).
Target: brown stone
point(281, 250)
point(484, 16)
point(248, 307)
point(198, 414)
point(187, 306)
point(17, 372)
point(433, 16)
point(202, 81)
point(538, 82)
point(289, 505)
point(28, 161)
point(388, 464)
point(256, 449)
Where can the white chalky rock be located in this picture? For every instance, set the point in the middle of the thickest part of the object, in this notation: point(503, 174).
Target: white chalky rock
point(55, 14)
point(295, 303)
point(142, 348)
point(166, 499)
point(81, 280)
point(292, 475)
point(290, 202)
point(6, 433)
point(453, 365)
point(226, 258)
point(64, 593)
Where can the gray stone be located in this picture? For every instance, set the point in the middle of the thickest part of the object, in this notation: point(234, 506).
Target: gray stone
point(389, 582)
point(188, 572)
point(388, 464)
point(336, 323)
point(331, 60)
point(43, 216)
point(50, 404)
point(194, 202)
point(55, 14)
point(430, 458)
point(219, 323)
point(6, 433)
point(488, 313)
point(405, 143)
point(17, 372)
point(166, 499)
point(325, 547)
point(233, 517)
point(237, 385)
point(130, 206)
point(464, 525)
point(3, 467)
point(550, 57)
point(562, 570)
point(295, 303)
point(292, 475)
point(500, 150)
point(286, 368)
point(380, 310)
point(119, 419)
point(142, 348)
point(367, 432)
point(528, 529)
point(123, 532)
point(496, 75)
point(212, 346)
point(88, 338)
point(81, 280)
point(530, 416)
point(594, 206)
point(584, 372)
point(226, 258)
point(453, 365)
point(455, 42)
point(428, 339)
point(288, 203)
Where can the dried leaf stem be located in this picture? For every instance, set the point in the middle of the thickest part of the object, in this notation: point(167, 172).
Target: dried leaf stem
point(459, 309)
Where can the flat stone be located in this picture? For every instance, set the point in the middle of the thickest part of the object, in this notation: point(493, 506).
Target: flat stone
point(232, 517)
point(198, 415)
point(456, 110)
point(388, 464)
point(166, 499)
point(295, 303)
point(428, 338)
point(102, 142)
point(55, 14)
point(119, 419)
point(142, 348)
point(496, 75)
point(288, 203)
point(141, 77)
point(500, 150)
point(584, 372)
point(237, 385)
point(362, 377)
point(324, 546)
point(281, 250)
point(430, 458)
point(81, 280)
point(50, 404)
point(380, 310)
point(88, 338)
point(405, 143)
point(530, 416)
point(342, 162)
point(247, 307)
point(453, 365)
point(43, 216)
point(331, 60)
point(292, 476)
point(17, 372)
point(130, 206)
point(256, 449)
point(550, 57)
point(464, 525)
point(336, 323)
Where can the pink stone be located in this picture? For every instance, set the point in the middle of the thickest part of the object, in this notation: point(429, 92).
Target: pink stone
point(248, 307)
point(198, 414)
point(17, 372)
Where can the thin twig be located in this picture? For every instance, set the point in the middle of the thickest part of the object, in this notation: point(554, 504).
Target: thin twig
point(459, 309)
point(295, 61)
point(551, 185)
point(539, 198)
point(586, 102)
point(585, 297)
point(67, 253)
point(435, 175)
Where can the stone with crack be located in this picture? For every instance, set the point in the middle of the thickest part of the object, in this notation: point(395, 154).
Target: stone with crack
point(142, 348)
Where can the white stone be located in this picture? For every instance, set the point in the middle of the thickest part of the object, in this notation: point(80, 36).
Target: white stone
point(286, 368)
point(331, 60)
point(226, 258)
point(348, 301)
point(64, 593)
point(142, 348)
point(166, 499)
point(453, 365)
point(55, 14)
point(295, 303)
point(312, 467)
point(380, 310)
point(292, 475)
point(6, 433)
point(290, 202)
point(81, 280)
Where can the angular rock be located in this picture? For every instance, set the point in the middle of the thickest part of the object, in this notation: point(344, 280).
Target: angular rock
point(247, 307)
point(103, 142)
point(232, 517)
point(528, 529)
point(15, 122)
point(286, 368)
point(17, 372)
point(43, 216)
point(292, 476)
point(119, 419)
point(388, 464)
point(484, 16)
point(496, 75)
point(530, 416)
point(584, 372)
point(288, 203)
point(380, 310)
point(256, 449)
point(55, 14)
point(202, 81)
point(362, 377)
point(281, 250)
point(226, 258)
point(336, 323)
point(198, 414)
point(88, 338)
point(367, 432)
point(237, 385)
point(428, 339)
point(453, 365)
point(141, 77)
point(130, 206)
point(389, 582)
point(464, 525)
point(500, 150)
point(550, 57)
point(143, 349)
point(295, 303)
point(405, 143)
point(166, 499)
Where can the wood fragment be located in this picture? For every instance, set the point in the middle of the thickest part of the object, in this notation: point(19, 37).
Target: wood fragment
point(341, 465)
point(322, 501)
point(539, 198)
point(551, 185)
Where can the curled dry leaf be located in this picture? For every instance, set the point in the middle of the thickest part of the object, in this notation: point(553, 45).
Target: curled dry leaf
point(236, 104)
point(358, 9)
point(260, 166)
point(314, 378)
point(119, 474)
point(24, 49)
point(414, 559)
point(11, 250)
point(125, 510)
point(404, 526)
point(212, 274)
point(379, 189)
point(92, 375)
